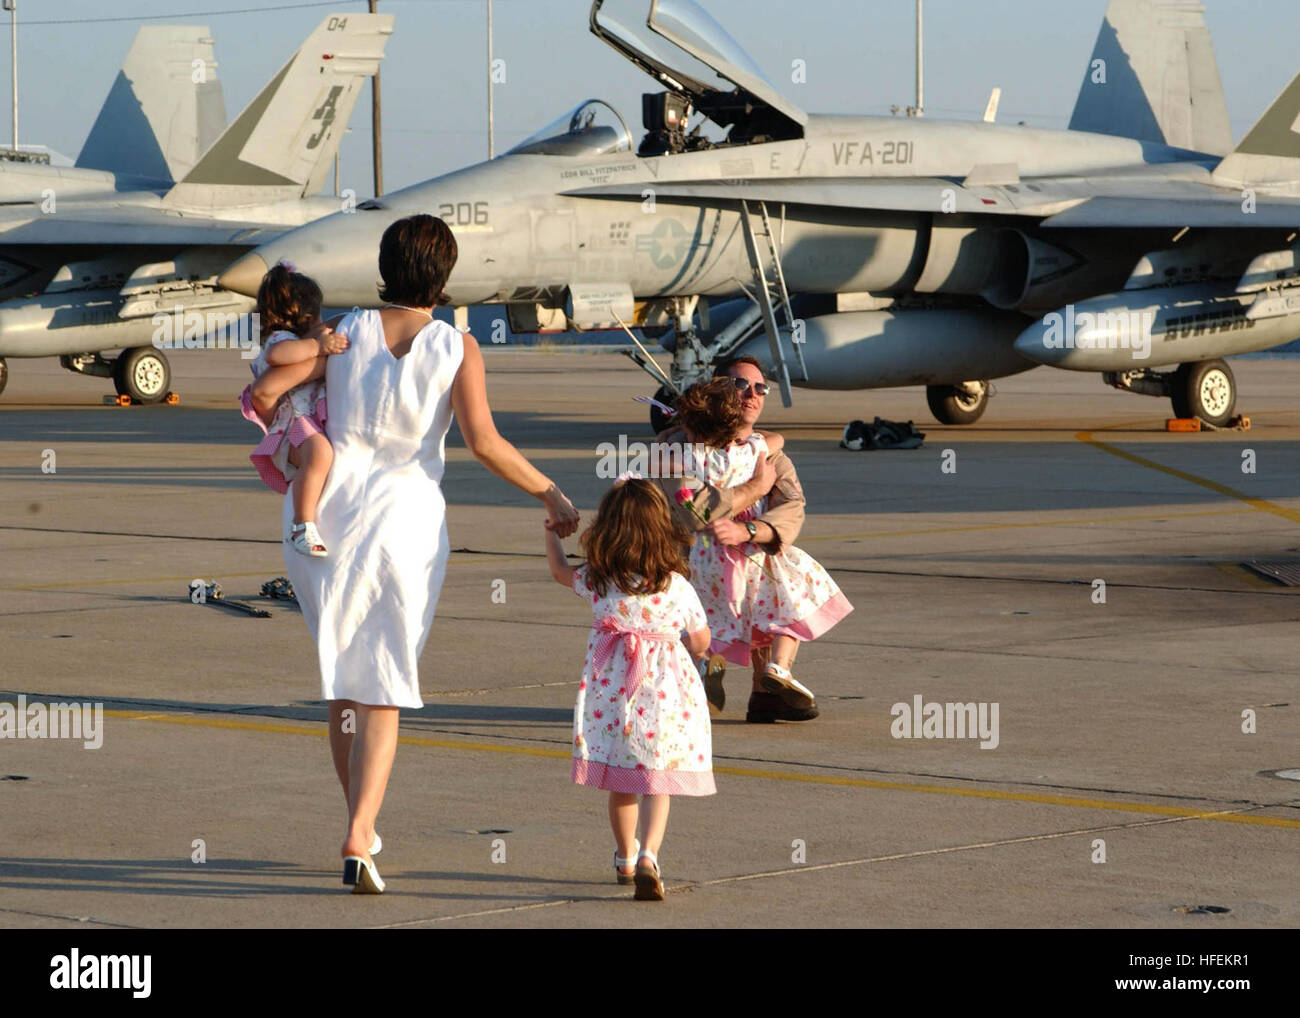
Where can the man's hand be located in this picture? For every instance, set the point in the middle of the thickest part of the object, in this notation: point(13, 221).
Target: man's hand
point(759, 486)
point(728, 532)
point(764, 474)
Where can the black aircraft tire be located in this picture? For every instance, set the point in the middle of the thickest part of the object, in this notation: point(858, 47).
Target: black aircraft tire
point(143, 374)
point(950, 406)
point(4, 374)
point(1207, 390)
point(658, 420)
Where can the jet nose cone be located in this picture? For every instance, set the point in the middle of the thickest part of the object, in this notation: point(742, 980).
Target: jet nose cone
point(244, 276)
point(1037, 344)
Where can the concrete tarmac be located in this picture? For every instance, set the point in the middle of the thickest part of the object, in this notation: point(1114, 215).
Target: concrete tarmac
point(1138, 735)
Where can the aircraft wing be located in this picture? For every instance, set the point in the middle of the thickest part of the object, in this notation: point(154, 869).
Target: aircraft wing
point(126, 227)
point(1141, 200)
point(901, 194)
point(1211, 211)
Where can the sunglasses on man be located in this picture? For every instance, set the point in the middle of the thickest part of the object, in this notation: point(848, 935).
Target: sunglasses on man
point(743, 385)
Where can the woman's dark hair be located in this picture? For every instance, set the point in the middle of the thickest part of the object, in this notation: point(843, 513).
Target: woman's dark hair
point(723, 367)
point(416, 255)
point(711, 412)
point(287, 300)
point(635, 543)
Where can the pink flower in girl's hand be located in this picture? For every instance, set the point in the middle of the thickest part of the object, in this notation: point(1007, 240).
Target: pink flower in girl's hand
point(683, 496)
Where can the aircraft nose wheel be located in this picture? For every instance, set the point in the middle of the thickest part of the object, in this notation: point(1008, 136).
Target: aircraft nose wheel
point(1204, 389)
point(958, 404)
point(143, 374)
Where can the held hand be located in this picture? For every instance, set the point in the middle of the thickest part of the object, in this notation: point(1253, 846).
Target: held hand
point(764, 473)
point(728, 532)
point(332, 342)
point(562, 517)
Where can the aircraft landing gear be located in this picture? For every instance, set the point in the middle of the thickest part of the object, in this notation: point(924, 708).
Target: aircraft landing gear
point(1204, 389)
point(958, 404)
point(4, 374)
point(143, 374)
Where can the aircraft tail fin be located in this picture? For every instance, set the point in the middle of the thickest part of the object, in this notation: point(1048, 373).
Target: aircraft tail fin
point(283, 144)
point(1153, 76)
point(1270, 152)
point(164, 109)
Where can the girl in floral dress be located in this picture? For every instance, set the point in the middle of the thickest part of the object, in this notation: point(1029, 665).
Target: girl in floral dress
point(751, 599)
point(641, 723)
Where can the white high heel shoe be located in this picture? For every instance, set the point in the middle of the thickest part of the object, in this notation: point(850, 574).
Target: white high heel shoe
point(362, 876)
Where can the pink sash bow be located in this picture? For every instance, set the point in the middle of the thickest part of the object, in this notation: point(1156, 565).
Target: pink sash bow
point(610, 632)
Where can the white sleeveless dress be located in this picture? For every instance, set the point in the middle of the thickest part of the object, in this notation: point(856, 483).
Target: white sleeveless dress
point(370, 603)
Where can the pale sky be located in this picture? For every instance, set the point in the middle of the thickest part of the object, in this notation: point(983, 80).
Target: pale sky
point(859, 56)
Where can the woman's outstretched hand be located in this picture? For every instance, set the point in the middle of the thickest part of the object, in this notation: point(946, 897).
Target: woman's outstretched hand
point(561, 517)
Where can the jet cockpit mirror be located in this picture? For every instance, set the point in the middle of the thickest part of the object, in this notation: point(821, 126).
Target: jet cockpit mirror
point(591, 128)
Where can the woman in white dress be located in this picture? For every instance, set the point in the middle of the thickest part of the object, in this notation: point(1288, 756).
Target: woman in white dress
point(370, 603)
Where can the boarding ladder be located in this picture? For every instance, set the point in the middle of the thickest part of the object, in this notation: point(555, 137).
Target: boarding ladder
point(771, 294)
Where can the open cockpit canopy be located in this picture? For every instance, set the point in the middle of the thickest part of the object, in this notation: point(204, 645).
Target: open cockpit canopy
point(679, 44)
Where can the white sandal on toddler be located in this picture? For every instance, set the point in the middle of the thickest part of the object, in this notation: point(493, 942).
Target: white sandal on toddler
point(306, 540)
point(778, 680)
point(620, 863)
point(649, 886)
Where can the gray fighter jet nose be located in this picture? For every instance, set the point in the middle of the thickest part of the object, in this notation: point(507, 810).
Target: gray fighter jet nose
point(1034, 344)
point(244, 276)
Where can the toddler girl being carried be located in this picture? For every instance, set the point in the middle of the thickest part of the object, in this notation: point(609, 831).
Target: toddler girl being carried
point(287, 397)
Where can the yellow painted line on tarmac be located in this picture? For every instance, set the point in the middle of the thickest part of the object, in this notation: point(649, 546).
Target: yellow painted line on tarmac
point(1037, 523)
point(1260, 504)
point(749, 772)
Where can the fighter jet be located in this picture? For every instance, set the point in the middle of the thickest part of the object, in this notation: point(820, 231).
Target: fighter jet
point(853, 252)
point(122, 251)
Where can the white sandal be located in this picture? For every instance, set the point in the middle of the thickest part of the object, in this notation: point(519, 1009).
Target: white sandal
point(305, 539)
point(619, 863)
point(778, 680)
point(649, 886)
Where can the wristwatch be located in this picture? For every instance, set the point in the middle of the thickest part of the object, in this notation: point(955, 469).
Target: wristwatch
point(753, 530)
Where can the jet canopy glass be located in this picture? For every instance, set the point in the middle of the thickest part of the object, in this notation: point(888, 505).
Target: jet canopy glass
point(591, 128)
point(679, 44)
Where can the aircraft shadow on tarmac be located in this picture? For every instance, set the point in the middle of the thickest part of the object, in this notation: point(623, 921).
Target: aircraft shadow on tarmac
point(317, 711)
point(213, 426)
point(159, 876)
point(995, 465)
